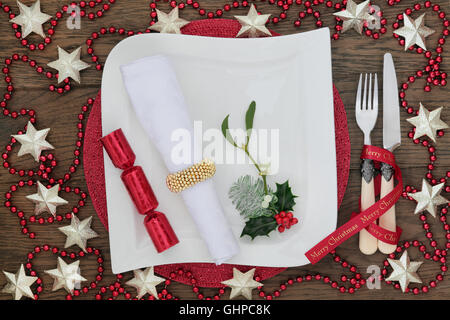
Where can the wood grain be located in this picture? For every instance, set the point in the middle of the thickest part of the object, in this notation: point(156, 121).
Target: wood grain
point(352, 54)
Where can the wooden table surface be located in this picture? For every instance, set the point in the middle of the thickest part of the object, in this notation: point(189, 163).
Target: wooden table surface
point(352, 54)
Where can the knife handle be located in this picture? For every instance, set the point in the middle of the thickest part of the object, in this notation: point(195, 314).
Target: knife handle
point(368, 244)
point(387, 220)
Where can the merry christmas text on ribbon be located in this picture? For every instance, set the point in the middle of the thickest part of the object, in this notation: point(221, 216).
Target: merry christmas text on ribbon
point(365, 218)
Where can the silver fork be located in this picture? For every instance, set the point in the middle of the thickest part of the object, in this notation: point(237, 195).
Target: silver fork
point(366, 111)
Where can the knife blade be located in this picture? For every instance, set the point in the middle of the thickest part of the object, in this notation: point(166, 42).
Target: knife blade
point(391, 140)
point(391, 110)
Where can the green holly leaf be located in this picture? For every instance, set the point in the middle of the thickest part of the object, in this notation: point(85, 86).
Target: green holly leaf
point(260, 226)
point(285, 197)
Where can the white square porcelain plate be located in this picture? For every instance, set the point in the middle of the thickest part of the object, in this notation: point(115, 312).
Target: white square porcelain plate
point(290, 79)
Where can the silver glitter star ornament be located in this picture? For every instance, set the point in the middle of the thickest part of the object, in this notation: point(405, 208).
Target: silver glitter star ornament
point(68, 65)
point(30, 19)
point(145, 281)
point(33, 141)
point(169, 23)
point(404, 271)
point(427, 123)
point(253, 24)
point(46, 200)
point(354, 16)
point(242, 284)
point(414, 31)
point(19, 284)
point(429, 198)
point(78, 232)
point(66, 276)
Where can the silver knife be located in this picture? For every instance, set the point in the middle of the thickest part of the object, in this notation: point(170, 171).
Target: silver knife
point(391, 141)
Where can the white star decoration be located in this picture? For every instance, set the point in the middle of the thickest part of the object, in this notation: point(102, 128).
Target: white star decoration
point(78, 232)
point(33, 141)
point(404, 271)
point(31, 19)
point(242, 284)
point(19, 284)
point(253, 24)
point(66, 276)
point(429, 198)
point(427, 123)
point(46, 200)
point(145, 282)
point(414, 31)
point(68, 64)
point(354, 16)
point(169, 23)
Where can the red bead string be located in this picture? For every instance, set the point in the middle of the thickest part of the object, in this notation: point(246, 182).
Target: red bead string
point(83, 5)
point(36, 219)
point(350, 283)
point(64, 254)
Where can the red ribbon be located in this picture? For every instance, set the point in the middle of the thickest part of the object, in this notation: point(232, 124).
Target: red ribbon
point(366, 218)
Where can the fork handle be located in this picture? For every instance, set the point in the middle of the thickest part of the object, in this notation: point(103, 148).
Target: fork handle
point(368, 244)
point(387, 220)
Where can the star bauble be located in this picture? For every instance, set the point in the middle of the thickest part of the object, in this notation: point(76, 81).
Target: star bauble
point(414, 31)
point(145, 281)
point(19, 284)
point(46, 200)
point(429, 198)
point(427, 123)
point(354, 16)
point(169, 23)
point(68, 64)
point(31, 19)
point(78, 232)
point(33, 141)
point(242, 284)
point(404, 271)
point(66, 276)
point(253, 24)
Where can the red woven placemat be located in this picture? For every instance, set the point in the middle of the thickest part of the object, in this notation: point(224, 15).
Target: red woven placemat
point(207, 274)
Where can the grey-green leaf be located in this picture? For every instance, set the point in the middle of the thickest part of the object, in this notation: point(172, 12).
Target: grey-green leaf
point(247, 194)
point(226, 131)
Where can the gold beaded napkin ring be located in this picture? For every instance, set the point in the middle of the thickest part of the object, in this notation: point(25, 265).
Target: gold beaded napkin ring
point(179, 181)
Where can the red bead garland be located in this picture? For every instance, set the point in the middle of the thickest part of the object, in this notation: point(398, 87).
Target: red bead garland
point(64, 254)
point(347, 283)
point(54, 21)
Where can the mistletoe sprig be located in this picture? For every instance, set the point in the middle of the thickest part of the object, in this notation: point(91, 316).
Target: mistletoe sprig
point(264, 209)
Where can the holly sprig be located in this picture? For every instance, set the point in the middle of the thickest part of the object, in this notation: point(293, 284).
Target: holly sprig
point(275, 203)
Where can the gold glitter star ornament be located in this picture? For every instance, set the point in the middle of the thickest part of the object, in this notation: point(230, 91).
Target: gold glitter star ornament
point(30, 19)
point(33, 142)
point(68, 65)
point(78, 232)
point(253, 24)
point(404, 271)
point(414, 31)
point(429, 198)
point(145, 281)
point(427, 123)
point(354, 16)
point(66, 276)
point(46, 200)
point(19, 284)
point(169, 23)
point(242, 284)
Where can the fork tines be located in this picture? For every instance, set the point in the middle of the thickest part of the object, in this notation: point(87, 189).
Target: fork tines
point(369, 102)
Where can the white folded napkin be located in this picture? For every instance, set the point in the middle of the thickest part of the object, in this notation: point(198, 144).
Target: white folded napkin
point(157, 99)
